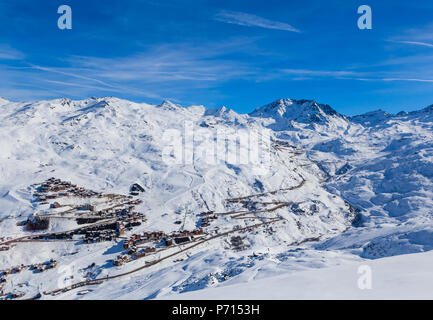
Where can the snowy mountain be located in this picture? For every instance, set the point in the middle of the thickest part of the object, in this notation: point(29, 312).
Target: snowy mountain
point(306, 111)
point(292, 186)
point(287, 113)
point(3, 101)
point(371, 118)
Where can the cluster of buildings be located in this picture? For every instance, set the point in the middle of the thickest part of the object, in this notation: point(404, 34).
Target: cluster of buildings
point(190, 234)
point(121, 260)
point(56, 188)
point(137, 239)
point(101, 232)
point(158, 237)
point(51, 264)
point(238, 244)
point(134, 253)
point(110, 232)
point(117, 211)
point(62, 189)
point(10, 295)
point(206, 214)
point(206, 218)
point(37, 223)
point(99, 236)
point(39, 267)
point(102, 217)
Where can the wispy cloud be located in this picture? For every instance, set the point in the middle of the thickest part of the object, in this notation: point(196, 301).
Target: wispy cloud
point(305, 75)
point(423, 34)
point(8, 53)
point(416, 43)
point(86, 82)
point(250, 20)
point(169, 63)
point(83, 85)
point(416, 36)
point(408, 79)
point(69, 74)
point(319, 73)
point(157, 72)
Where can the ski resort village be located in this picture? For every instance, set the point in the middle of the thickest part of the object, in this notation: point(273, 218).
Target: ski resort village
point(93, 206)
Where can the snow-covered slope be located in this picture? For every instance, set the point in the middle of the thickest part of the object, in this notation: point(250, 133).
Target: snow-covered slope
point(326, 188)
point(390, 280)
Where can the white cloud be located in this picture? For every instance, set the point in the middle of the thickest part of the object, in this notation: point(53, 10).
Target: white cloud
point(69, 74)
point(158, 72)
point(250, 20)
point(417, 43)
point(303, 75)
point(408, 79)
point(8, 53)
point(319, 73)
point(204, 63)
point(415, 36)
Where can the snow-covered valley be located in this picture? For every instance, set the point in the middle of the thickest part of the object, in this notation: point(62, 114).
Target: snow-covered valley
point(292, 188)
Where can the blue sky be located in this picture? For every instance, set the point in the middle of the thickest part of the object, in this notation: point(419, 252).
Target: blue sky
point(241, 54)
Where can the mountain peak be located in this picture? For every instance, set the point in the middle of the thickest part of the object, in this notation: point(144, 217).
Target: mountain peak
point(3, 101)
point(218, 112)
point(371, 118)
point(428, 109)
point(226, 115)
point(304, 111)
point(168, 105)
